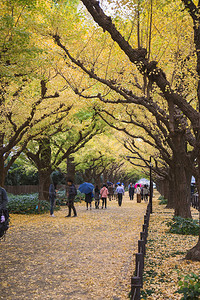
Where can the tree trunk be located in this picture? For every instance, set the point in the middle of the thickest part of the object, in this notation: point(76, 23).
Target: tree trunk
point(87, 176)
point(194, 253)
point(71, 168)
point(171, 196)
point(97, 179)
point(172, 190)
point(181, 192)
point(180, 169)
point(166, 189)
point(105, 177)
point(2, 172)
point(44, 168)
point(44, 183)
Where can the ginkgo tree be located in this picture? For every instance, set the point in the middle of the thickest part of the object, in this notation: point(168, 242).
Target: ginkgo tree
point(156, 75)
point(139, 124)
point(52, 149)
point(154, 79)
point(102, 160)
point(28, 104)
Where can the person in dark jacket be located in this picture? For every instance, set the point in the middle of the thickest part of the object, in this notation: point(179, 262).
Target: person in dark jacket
point(131, 191)
point(71, 193)
point(4, 215)
point(111, 192)
point(52, 198)
point(97, 196)
point(3, 199)
point(88, 199)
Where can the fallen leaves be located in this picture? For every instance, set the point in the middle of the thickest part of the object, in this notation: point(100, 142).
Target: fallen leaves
point(164, 262)
point(88, 257)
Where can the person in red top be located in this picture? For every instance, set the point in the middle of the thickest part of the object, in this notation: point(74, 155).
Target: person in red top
point(104, 195)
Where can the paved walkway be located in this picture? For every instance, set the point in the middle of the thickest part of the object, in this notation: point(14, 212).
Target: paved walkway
point(88, 257)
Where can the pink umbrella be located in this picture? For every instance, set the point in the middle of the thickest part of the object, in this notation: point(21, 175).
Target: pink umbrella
point(137, 185)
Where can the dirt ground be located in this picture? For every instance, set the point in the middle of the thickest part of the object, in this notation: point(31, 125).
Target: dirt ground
point(88, 257)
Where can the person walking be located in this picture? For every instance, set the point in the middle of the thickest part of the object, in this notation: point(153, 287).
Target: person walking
point(104, 195)
point(138, 193)
point(4, 215)
point(96, 196)
point(131, 191)
point(145, 193)
point(120, 193)
point(52, 198)
point(115, 193)
point(88, 199)
point(71, 193)
point(3, 199)
point(110, 192)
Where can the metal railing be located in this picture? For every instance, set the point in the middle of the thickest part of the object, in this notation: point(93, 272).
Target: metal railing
point(137, 280)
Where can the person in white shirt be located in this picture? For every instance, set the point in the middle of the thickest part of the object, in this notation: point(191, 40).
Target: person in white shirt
point(138, 193)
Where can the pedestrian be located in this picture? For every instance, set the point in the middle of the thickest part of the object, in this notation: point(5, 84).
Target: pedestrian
point(131, 191)
point(120, 193)
point(104, 195)
point(88, 199)
point(115, 193)
point(111, 192)
point(141, 192)
point(71, 193)
point(4, 215)
point(145, 193)
point(52, 198)
point(138, 193)
point(97, 196)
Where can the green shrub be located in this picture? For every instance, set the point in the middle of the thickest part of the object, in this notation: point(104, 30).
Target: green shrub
point(189, 287)
point(80, 196)
point(26, 204)
point(163, 202)
point(61, 197)
point(183, 226)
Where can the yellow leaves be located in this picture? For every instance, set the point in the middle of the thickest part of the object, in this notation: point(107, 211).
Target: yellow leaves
point(88, 257)
point(4, 284)
point(164, 261)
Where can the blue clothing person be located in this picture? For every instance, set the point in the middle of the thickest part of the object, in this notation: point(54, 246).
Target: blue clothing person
point(120, 193)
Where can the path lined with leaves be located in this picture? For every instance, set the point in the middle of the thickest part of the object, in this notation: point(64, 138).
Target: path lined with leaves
point(88, 257)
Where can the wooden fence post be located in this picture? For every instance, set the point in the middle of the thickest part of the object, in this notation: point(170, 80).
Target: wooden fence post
point(143, 236)
point(135, 288)
point(145, 229)
point(139, 266)
point(141, 247)
point(137, 281)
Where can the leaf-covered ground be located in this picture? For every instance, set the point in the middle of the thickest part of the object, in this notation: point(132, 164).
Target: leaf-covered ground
point(88, 257)
point(164, 261)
